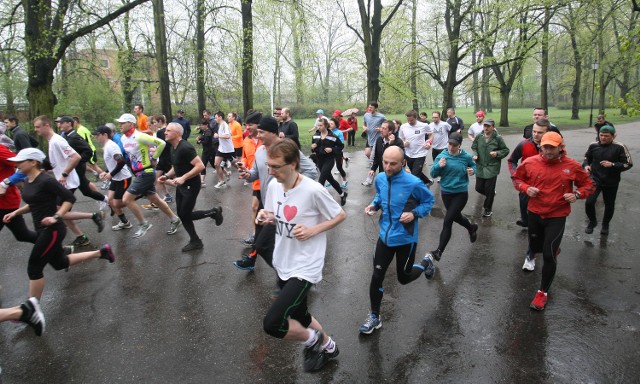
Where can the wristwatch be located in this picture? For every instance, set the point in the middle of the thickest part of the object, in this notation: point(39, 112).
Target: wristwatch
point(65, 174)
point(577, 195)
point(415, 215)
point(6, 183)
point(57, 217)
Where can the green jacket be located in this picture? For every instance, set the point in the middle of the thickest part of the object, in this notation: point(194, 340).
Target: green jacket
point(488, 166)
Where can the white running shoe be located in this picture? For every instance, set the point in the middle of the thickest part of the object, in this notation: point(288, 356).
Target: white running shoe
point(220, 185)
point(120, 226)
point(529, 264)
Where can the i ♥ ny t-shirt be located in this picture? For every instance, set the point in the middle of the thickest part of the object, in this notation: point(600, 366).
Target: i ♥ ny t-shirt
point(309, 203)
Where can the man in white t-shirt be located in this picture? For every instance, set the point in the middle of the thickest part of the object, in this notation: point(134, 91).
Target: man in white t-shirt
point(64, 160)
point(413, 134)
point(439, 136)
point(225, 152)
point(117, 173)
point(302, 211)
point(476, 128)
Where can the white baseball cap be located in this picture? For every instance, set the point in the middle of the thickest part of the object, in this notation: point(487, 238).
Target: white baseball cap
point(28, 154)
point(127, 118)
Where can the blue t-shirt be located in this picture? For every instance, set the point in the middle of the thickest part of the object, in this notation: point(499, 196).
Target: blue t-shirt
point(372, 122)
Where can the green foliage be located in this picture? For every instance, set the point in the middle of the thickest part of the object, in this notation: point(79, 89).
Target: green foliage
point(92, 99)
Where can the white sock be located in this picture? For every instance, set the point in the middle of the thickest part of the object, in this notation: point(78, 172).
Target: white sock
point(313, 337)
point(330, 346)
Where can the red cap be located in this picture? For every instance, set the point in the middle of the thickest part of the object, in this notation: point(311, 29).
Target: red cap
point(337, 113)
point(480, 114)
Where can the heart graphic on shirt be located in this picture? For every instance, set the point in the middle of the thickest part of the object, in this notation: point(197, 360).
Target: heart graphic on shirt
point(290, 212)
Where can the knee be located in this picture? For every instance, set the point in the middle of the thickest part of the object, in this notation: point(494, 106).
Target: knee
point(34, 272)
point(272, 326)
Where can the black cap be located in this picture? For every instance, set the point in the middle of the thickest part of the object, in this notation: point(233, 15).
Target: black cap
point(489, 122)
point(102, 129)
point(253, 118)
point(269, 124)
point(180, 110)
point(64, 119)
point(455, 138)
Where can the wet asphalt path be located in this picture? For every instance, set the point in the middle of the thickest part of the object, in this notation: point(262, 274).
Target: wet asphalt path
point(158, 315)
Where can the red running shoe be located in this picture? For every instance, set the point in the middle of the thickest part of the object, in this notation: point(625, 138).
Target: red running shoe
point(539, 301)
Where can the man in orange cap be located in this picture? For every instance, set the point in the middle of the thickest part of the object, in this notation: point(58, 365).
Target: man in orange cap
point(549, 179)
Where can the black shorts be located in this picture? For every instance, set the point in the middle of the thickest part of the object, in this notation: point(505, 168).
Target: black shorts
point(119, 187)
point(227, 156)
point(163, 166)
point(238, 152)
point(59, 200)
point(257, 194)
point(143, 184)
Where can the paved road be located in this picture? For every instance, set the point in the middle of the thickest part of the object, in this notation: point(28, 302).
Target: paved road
point(158, 315)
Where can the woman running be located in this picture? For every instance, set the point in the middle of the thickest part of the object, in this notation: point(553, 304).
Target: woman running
point(48, 201)
point(334, 127)
point(454, 166)
point(325, 144)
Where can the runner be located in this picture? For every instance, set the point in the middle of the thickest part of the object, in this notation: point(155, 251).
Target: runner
point(301, 211)
point(398, 229)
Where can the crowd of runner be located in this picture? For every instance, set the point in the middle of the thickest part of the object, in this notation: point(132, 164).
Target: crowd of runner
point(292, 208)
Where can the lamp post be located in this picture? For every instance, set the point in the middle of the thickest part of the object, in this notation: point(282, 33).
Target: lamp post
point(593, 90)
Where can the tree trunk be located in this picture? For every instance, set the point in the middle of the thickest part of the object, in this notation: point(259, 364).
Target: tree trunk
point(161, 57)
point(544, 65)
point(297, 16)
point(413, 83)
point(247, 55)
point(575, 93)
point(200, 80)
point(505, 92)
point(127, 64)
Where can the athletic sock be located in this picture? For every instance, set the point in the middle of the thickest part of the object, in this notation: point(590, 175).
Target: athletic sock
point(253, 253)
point(313, 337)
point(123, 218)
point(330, 346)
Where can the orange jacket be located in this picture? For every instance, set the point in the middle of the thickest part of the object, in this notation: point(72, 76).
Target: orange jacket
point(249, 147)
point(236, 134)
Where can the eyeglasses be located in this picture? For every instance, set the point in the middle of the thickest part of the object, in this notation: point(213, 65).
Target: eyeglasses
point(275, 167)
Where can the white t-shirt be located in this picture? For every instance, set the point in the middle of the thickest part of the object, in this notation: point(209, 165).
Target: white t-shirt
point(226, 145)
point(309, 203)
point(440, 134)
point(475, 129)
point(59, 153)
point(415, 135)
point(109, 151)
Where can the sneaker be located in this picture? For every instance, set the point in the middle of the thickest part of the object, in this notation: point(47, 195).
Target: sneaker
point(168, 198)
point(81, 241)
point(343, 198)
point(313, 359)
point(120, 226)
point(217, 215)
point(98, 220)
point(220, 185)
point(150, 207)
point(228, 176)
point(245, 183)
point(105, 185)
point(247, 263)
point(327, 185)
point(473, 233)
point(173, 227)
point(435, 255)
point(429, 268)
point(487, 213)
point(372, 323)
point(192, 246)
point(521, 223)
point(429, 183)
point(32, 315)
point(539, 301)
point(324, 358)
point(102, 205)
point(142, 230)
point(346, 162)
point(590, 227)
point(529, 264)
point(248, 242)
point(203, 185)
point(107, 253)
point(368, 181)
point(604, 230)
point(344, 185)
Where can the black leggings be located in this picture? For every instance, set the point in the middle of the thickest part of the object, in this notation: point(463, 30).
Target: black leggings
point(454, 203)
point(47, 250)
point(415, 165)
point(265, 242)
point(351, 138)
point(435, 153)
point(487, 187)
point(291, 303)
point(609, 197)
point(84, 187)
point(545, 236)
point(339, 158)
point(405, 257)
point(325, 165)
point(186, 196)
point(18, 227)
point(207, 157)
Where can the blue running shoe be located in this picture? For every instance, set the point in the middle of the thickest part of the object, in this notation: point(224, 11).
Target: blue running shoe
point(372, 323)
point(429, 268)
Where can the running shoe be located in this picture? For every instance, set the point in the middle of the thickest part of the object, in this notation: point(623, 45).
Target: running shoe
point(81, 241)
point(173, 227)
point(107, 253)
point(168, 198)
point(429, 268)
point(372, 323)
point(313, 360)
point(366, 183)
point(32, 315)
point(327, 185)
point(590, 227)
point(343, 198)
point(247, 263)
point(603, 231)
point(192, 246)
point(150, 207)
point(216, 214)
point(248, 242)
point(120, 226)
point(346, 162)
point(228, 176)
point(344, 184)
point(473, 233)
point(487, 213)
point(435, 255)
point(539, 301)
point(529, 264)
point(105, 185)
point(220, 185)
point(102, 205)
point(142, 230)
point(203, 185)
point(324, 358)
point(98, 220)
point(521, 223)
